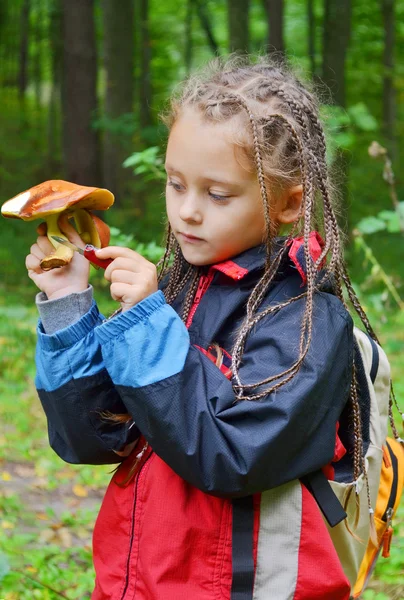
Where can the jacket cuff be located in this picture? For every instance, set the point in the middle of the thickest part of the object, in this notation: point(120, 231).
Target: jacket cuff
point(72, 334)
point(113, 327)
point(62, 312)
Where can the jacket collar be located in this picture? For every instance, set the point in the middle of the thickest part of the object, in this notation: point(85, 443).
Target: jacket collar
point(254, 258)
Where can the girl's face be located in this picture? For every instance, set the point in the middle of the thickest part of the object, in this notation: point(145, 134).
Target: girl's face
point(209, 195)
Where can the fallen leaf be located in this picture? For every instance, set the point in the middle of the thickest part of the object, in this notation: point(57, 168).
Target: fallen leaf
point(65, 537)
point(80, 491)
point(6, 476)
point(42, 516)
point(46, 536)
point(7, 525)
point(32, 570)
point(24, 471)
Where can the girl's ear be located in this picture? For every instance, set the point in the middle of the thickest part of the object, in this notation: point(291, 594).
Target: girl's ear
point(290, 205)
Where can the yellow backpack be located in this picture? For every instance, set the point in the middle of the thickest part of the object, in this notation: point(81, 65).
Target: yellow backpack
point(384, 461)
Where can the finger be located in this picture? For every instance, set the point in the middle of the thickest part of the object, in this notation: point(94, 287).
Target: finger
point(122, 292)
point(121, 276)
point(42, 228)
point(44, 244)
point(32, 263)
point(119, 251)
point(36, 251)
point(126, 264)
point(70, 231)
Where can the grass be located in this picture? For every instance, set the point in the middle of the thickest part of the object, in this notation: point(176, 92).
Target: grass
point(47, 507)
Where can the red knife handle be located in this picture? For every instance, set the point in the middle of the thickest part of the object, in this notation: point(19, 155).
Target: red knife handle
point(89, 253)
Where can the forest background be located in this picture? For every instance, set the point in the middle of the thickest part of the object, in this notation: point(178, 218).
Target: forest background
point(81, 85)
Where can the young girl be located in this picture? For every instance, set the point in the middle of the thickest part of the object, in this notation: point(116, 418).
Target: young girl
point(221, 384)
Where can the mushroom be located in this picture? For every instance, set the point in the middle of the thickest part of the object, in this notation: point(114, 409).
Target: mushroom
point(48, 200)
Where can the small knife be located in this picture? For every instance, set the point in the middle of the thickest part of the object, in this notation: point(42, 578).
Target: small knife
point(88, 252)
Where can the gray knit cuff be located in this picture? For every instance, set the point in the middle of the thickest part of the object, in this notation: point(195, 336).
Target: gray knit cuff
point(62, 312)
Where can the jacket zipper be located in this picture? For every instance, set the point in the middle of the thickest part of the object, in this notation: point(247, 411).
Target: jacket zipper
point(204, 283)
point(133, 526)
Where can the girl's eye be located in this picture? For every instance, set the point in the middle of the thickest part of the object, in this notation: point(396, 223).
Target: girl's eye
point(176, 186)
point(218, 198)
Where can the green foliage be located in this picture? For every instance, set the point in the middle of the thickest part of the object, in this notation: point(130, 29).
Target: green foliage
point(385, 220)
point(343, 127)
point(124, 125)
point(148, 163)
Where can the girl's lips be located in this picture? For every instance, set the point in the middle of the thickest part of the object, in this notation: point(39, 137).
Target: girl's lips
point(191, 238)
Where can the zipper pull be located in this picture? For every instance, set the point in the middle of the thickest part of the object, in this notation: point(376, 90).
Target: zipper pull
point(386, 541)
point(388, 534)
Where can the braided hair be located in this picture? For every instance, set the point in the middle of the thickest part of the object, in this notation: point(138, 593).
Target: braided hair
point(283, 138)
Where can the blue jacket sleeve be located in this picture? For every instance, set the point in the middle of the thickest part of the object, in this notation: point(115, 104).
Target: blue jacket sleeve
point(187, 410)
point(75, 388)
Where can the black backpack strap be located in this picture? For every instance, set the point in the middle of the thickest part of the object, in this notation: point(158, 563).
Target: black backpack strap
point(375, 359)
point(320, 488)
point(243, 549)
point(318, 484)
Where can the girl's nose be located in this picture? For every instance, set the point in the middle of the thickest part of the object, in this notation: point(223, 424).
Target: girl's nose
point(190, 209)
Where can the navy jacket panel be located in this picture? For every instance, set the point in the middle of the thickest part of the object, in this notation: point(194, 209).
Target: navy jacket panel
point(195, 424)
point(75, 389)
point(185, 406)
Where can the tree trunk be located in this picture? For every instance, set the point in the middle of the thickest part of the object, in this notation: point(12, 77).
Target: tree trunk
point(238, 25)
point(24, 36)
point(145, 78)
point(311, 22)
point(389, 94)
point(37, 58)
point(275, 11)
point(337, 32)
point(119, 51)
point(188, 37)
point(55, 36)
point(79, 92)
point(206, 25)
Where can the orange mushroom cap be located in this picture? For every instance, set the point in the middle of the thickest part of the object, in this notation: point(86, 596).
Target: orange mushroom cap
point(55, 196)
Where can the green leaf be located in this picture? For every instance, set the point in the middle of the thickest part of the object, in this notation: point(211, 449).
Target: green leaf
point(390, 217)
point(4, 566)
point(345, 139)
point(362, 118)
point(371, 225)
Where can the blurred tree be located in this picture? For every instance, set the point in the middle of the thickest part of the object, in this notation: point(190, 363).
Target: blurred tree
point(119, 52)
point(389, 94)
point(56, 48)
point(275, 13)
point(38, 36)
point(206, 25)
point(145, 76)
point(80, 140)
point(337, 31)
point(188, 36)
point(24, 36)
point(238, 22)
point(311, 23)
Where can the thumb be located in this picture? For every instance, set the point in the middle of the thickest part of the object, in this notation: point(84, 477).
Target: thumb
point(69, 231)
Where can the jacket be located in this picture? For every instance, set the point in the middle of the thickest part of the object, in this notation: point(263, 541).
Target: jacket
point(216, 508)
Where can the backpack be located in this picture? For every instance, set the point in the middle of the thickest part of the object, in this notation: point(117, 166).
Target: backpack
point(384, 459)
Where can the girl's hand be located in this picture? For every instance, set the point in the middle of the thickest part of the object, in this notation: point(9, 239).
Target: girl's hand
point(65, 280)
point(132, 277)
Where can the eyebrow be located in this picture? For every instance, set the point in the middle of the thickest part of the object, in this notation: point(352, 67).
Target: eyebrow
point(211, 179)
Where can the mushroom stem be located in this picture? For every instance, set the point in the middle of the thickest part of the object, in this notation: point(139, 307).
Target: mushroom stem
point(62, 254)
point(86, 227)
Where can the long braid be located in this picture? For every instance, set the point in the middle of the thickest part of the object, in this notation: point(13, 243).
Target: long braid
point(296, 153)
